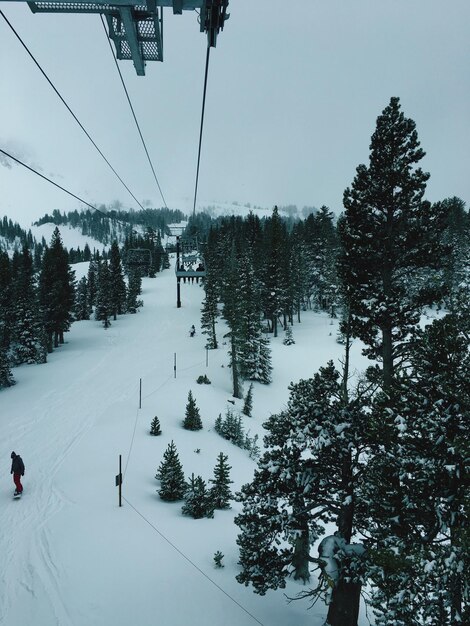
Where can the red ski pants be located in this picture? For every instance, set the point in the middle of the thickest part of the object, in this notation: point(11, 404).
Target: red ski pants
point(17, 481)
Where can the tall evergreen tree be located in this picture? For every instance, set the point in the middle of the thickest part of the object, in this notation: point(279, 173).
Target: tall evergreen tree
point(171, 476)
point(28, 332)
point(82, 304)
point(56, 291)
point(133, 291)
point(117, 284)
point(389, 238)
point(220, 491)
point(104, 304)
point(254, 351)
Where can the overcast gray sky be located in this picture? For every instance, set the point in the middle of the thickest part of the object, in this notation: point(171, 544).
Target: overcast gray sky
point(293, 94)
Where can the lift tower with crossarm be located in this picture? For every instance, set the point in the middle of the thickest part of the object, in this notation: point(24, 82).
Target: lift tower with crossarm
point(136, 26)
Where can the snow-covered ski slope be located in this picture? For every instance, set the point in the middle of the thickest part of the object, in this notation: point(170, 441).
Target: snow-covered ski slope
point(69, 555)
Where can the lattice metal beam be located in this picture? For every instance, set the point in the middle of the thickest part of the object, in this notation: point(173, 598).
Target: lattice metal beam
point(136, 26)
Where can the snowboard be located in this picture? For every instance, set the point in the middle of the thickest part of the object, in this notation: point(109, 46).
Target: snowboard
point(17, 496)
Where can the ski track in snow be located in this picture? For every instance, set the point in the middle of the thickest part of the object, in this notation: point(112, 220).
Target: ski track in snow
point(27, 540)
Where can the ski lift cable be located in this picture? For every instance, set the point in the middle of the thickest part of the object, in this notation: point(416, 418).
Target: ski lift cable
point(200, 131)
point(133, 112)
point(31, 169)
point(68, 108)
point(181, 553)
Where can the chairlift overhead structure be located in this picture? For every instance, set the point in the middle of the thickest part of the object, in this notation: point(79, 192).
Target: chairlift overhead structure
point(136, 26)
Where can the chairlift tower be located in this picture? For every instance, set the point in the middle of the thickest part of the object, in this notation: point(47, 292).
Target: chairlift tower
point(136, 26)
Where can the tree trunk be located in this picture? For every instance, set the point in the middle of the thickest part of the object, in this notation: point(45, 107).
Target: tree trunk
point(235, 377)
point(301, 558)
point(344, 607)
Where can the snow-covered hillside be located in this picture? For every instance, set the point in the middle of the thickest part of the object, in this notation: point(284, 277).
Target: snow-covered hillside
point(69, 555)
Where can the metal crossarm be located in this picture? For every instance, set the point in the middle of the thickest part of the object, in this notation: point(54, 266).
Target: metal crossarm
point(136, 26)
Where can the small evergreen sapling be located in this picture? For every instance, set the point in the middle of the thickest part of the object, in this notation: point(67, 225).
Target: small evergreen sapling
point(289, 338)
point(248, 405)
point(155, 427)
point(197, 499)
point(171, 476)
point(192, 421)
point(218, 556)
point(220, 491)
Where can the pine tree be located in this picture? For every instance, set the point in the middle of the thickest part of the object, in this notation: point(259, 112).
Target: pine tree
point(6, 296)
point(197, 500)
point(28, 334)
point(82, 304)
point(92, 280)
point(254, 353)
point(308, 476)
point(103, 310)
point(422, 542)
point(289, 338)
point(117, 283)
point(134, 289)
point(192, 420)
point(6, 377)
point(248, 404)
point(390, 240)
point(155, 427)
point(210, 310)
point(171, 476)
point(220, 491)
point(275, 270)
point(56, 291)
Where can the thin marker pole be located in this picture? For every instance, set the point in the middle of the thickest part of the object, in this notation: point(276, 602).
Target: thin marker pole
point(174, 365)
point(140, 393)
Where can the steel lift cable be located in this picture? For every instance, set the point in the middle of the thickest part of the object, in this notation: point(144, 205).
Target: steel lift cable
point(200, 132)
point(68, 108)
point(133, 112)
point(31, 169)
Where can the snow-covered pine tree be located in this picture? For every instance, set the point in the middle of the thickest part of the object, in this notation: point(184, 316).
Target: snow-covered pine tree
point(390, 239)
point(197, 499)
point(56, 291)
point(28, 335)
point(192, 420)
point(248, 404)
point(134, 289)
point(82, 304)
point(289, 337)
point(275, 268)
point(155, 427)
point(171, 476)
point(103, 310)
point(233, 314)
point(420, 552)
point(92, 281)
point(6, 377)
point(220, 490)
point(6, 297)
point(308, 476)
point(254, 353)
point(118, 293)
point(210, 310)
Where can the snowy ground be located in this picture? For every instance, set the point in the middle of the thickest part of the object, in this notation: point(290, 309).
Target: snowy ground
point(69, 555)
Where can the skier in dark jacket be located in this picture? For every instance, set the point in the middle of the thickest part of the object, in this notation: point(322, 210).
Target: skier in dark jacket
point(17, 469)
